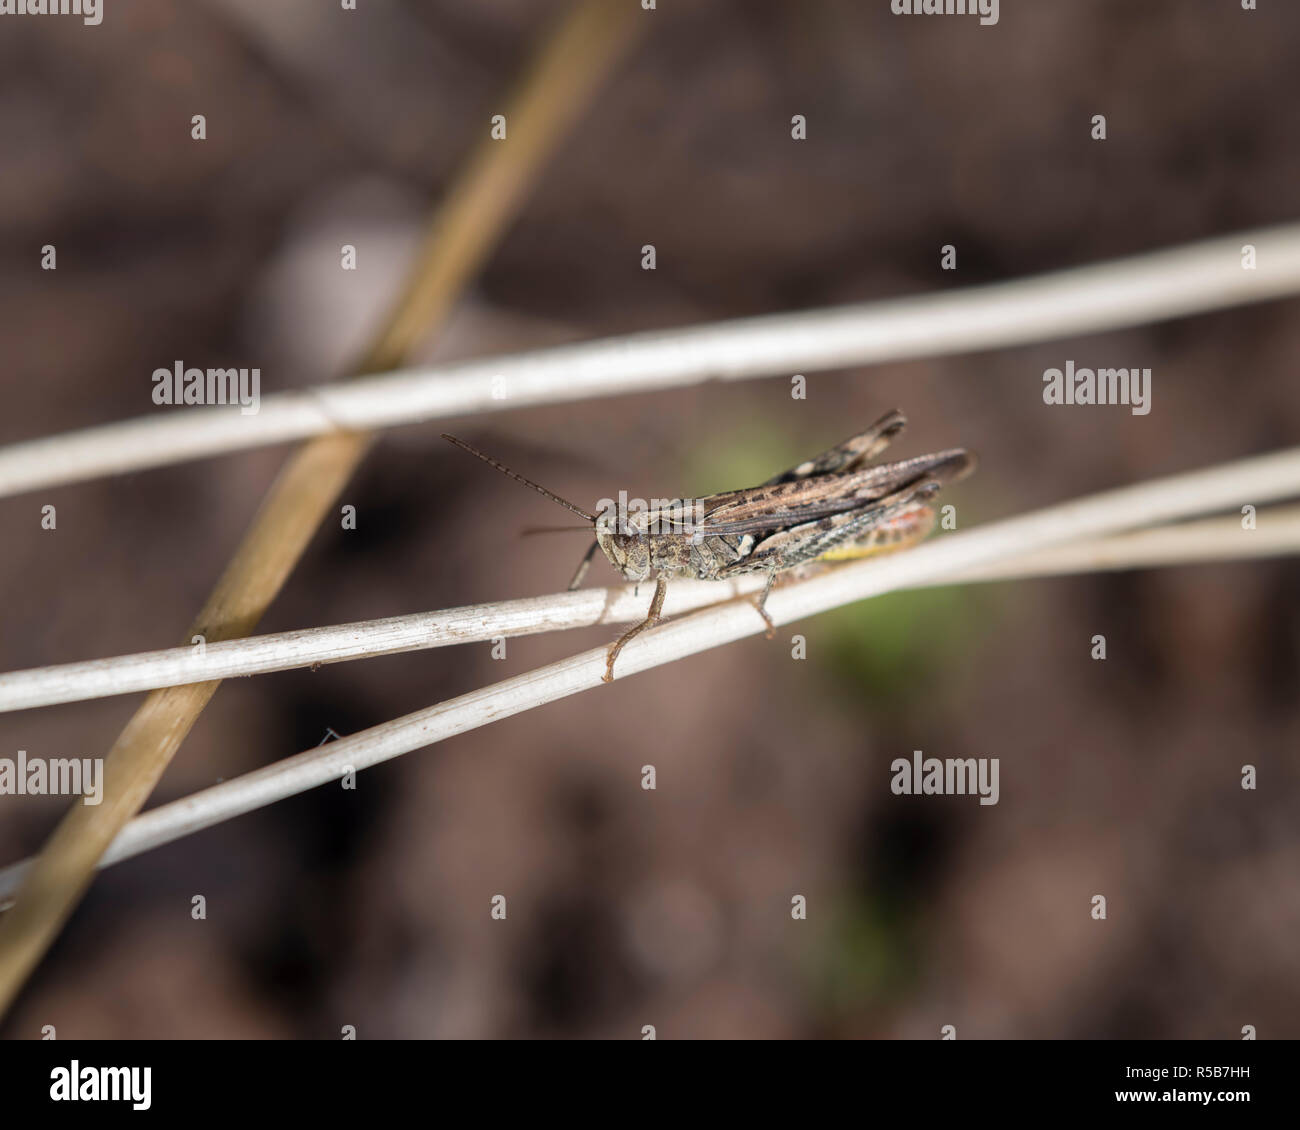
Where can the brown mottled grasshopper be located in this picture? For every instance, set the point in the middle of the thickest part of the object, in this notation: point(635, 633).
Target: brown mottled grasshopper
point(833, 507)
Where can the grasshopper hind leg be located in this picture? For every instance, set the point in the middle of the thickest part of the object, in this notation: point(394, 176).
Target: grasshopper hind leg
point(655, 615)
point(907, 527)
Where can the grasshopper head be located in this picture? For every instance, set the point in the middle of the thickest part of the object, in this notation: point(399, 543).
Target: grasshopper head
point(629, 553)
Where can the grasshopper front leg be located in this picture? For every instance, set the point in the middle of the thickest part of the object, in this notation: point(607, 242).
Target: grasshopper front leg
point(656, 612)
point(583, 566)
point(761, 604)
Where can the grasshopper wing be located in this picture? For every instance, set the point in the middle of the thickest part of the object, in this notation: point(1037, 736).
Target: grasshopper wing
point(796, 544)
point(851, 455)
point(770, 508)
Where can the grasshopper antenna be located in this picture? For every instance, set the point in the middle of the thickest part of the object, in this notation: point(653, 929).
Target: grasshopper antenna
point(517, 477)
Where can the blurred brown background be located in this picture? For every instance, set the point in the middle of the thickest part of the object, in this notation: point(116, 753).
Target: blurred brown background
point(668, 908)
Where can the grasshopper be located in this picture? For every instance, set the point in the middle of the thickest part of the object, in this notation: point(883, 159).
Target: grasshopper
point(837, 506)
